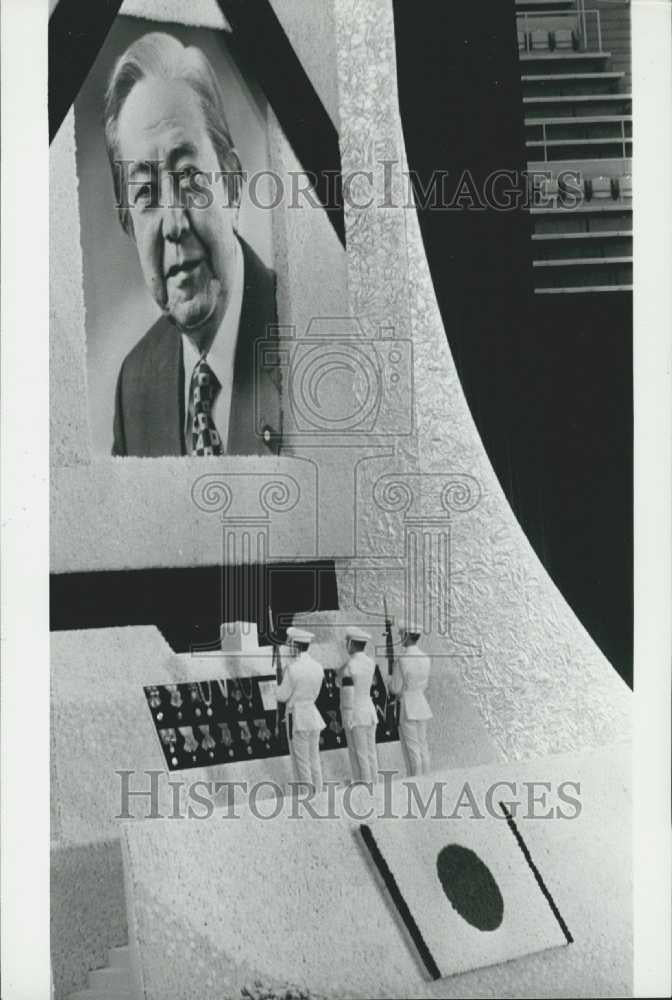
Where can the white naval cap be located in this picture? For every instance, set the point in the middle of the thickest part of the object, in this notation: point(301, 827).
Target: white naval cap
point(358, 634)
point(410, 627)
point(295, 634)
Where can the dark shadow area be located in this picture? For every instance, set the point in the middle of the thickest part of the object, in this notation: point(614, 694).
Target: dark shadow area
point(548, 378)
point(188, 605)
point(77, 30)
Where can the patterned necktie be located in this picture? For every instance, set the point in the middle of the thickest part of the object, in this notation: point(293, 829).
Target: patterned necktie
point(204, 388)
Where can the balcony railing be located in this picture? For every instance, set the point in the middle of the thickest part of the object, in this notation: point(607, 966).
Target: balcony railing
point(550, 145)
point(559, 31)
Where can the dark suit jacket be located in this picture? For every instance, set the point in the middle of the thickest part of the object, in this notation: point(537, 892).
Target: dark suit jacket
point(150, 406)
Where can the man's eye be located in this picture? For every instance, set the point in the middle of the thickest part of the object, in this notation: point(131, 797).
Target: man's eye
point(143, 195)
point(188, 173)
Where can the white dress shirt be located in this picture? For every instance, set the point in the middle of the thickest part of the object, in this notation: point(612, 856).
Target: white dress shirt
point(410, 676)
point(301, 685)
point(220, 358)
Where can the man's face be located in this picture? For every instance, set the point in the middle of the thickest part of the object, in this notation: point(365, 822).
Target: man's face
point(186, 251)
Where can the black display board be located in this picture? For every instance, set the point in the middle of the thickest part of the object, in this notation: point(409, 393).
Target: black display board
point(200, 724)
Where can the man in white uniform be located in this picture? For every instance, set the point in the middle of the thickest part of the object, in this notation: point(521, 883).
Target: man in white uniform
point(410, 676)
point(300, 688)
point(357, 709)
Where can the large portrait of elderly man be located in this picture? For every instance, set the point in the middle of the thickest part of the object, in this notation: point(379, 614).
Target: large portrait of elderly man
point(179, 298)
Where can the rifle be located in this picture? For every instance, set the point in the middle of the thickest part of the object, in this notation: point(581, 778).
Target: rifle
point(389, 642)
point(277, 663)
point(393, 704)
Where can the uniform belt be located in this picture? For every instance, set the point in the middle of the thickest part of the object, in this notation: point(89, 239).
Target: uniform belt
point(347, 682)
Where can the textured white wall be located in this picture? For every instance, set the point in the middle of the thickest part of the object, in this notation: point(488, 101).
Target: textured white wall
point(199, 13)
point(69, 435)
point(131, 513)
point(313, 913)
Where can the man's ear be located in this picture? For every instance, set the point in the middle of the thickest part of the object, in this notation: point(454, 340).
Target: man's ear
point(235, 181)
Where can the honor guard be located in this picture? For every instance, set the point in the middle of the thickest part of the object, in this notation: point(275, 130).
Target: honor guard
point(410, 676)
point(358, 712)
point(300, 688)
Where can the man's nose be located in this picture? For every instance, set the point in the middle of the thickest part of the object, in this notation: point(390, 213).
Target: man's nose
point(175, 218)
point(174, 223)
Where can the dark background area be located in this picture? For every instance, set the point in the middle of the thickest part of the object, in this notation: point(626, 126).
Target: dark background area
point(187, 605)
point(548, 378)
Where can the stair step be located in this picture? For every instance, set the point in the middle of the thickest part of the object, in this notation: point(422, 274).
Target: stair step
point(119, 957)
point(578, 120)
point(591, 207)
point(607, 140)
point(116, 978)
point(568, 77)
point(566, 84)
point(576, 98)
point(578, 249)
point(607, 234)
point(581, 261)
point(562, 56)
point(585, 288)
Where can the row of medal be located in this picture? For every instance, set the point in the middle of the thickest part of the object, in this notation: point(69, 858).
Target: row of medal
point(203, 700)
point(221, 741)
point(248, 739)
point(187, 717)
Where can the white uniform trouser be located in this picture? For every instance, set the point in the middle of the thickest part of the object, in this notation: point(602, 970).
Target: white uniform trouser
point(305, 748)
point(413, 735)
point(362, 749)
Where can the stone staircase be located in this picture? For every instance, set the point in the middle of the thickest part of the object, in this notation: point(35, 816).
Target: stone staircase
point(578, 124)
point(111, 983)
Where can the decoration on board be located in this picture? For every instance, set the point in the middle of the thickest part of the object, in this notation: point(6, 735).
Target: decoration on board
point(225, 721)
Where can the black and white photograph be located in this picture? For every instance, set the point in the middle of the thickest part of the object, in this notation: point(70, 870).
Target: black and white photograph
point(336, 454)
point(178, 277)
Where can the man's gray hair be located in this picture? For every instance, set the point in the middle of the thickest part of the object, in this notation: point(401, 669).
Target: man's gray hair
point(161, 56)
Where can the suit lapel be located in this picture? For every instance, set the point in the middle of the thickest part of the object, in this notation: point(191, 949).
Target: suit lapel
point(165, 415)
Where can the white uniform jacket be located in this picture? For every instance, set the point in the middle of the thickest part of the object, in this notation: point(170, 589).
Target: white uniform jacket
point(300, 687)
point(357, 708)
point(410, 676)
